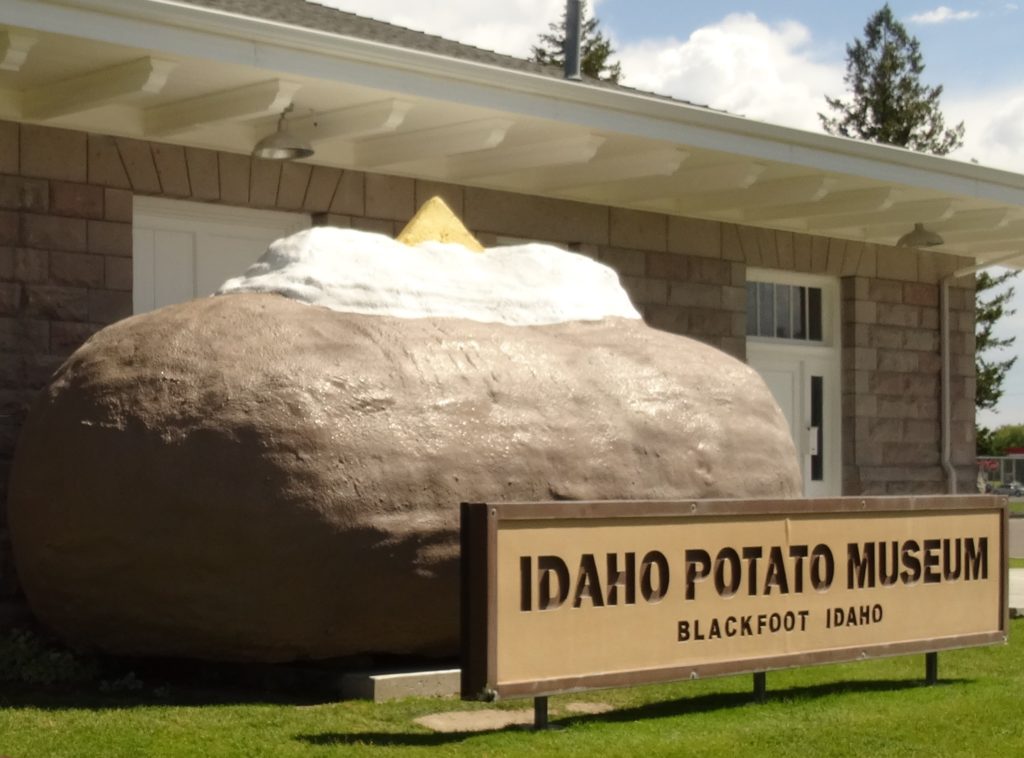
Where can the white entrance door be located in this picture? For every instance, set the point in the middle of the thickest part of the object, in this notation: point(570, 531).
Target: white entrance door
point(182, 250)
point(793, 342)
point(806, 387)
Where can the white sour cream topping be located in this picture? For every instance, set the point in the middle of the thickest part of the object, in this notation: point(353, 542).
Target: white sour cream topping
point(359, 272)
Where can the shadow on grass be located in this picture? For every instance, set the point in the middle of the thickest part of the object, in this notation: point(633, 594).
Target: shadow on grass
point(181, 695)
point(150, 697)
point(722, 701)
point(661, 709)
point(387, 739)
point(143, 682)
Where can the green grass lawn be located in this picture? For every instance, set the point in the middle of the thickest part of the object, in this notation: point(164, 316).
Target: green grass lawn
point(876, 708)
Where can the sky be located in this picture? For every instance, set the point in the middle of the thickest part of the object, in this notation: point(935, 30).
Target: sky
point(775, 60)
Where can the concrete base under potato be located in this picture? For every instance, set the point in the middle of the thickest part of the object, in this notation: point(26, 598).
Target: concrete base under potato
point(380, 686)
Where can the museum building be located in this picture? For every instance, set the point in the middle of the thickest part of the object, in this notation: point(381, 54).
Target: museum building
point(129, 131)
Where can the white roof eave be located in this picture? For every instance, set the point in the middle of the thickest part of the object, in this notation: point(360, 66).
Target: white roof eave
point(194, 32)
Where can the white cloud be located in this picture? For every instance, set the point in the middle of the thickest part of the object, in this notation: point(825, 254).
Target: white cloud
point(994, 127)
point(509, 27)
point(942, 14)
point(741, 65)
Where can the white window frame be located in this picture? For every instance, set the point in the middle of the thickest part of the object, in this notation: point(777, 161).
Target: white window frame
point(830, 313)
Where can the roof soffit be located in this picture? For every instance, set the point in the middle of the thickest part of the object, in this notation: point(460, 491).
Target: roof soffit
point(202, 77)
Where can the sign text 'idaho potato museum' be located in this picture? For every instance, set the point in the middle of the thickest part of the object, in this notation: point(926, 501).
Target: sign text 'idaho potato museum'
point(562, 596)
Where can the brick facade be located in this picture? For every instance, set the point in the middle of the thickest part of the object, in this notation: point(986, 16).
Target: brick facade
point(66, 271)
point(891, 385)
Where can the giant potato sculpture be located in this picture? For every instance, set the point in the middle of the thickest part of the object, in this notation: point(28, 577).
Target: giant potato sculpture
point(251, 477)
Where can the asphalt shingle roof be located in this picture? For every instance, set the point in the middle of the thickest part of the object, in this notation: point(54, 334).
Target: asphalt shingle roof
point(312, 15)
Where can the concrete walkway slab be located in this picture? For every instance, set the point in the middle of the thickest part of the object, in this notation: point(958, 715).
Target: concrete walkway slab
point(1017, 592)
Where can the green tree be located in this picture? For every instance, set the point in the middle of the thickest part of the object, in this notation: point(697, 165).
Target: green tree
point(991, 298)
point(889, 103)
point(595, 48)
point(997, 441)
point(1011, 435)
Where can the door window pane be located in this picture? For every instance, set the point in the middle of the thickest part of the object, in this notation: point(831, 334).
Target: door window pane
point(800, 313)
point(782, 314)
point(814, 313)
point(765, 309)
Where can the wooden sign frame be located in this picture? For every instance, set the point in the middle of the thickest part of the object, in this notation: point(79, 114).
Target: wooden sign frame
point(482, 637)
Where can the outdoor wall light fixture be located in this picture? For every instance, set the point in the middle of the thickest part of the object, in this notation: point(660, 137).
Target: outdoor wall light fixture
point(282, 146)
point(919, 237)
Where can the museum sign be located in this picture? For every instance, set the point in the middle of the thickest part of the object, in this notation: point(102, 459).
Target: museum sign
point(567, 596)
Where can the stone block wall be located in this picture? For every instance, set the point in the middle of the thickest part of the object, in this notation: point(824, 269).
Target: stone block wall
point(66, 271)
point(66, 246)
point(891, 384)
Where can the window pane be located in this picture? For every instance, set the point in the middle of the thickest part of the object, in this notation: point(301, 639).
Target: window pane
point(765, 309)
point(814, 313)
point(751, 308)
point(800, 313)
point(782, 318)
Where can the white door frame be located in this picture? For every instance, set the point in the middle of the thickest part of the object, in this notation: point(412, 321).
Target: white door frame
point(804, 359)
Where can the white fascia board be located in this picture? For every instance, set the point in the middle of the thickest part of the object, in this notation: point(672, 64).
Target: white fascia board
point(190, 31)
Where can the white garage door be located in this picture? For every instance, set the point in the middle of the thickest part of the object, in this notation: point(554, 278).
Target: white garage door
point(183, 250)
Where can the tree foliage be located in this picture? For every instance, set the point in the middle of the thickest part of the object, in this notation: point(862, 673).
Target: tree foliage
point(988, 309)
point(595, 48)
point(1001, 439)
point(1005, 437)
point(889, 103)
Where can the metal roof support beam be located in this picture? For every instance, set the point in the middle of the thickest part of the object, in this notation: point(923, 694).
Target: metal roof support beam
point(431, 143)
point(718, 177)
point(1011, 232)
point(907, 214)
point(961, 221)
point(97, 88)
point(578, 148)
point(648, 163)
point(14, 49)
point(863, 200)
point(252, 101)
point(800, 189)
point(365, 120)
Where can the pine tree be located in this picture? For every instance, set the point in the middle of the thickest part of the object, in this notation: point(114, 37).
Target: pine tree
point(595, 49)
point(889, 103)
point(987, 311)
